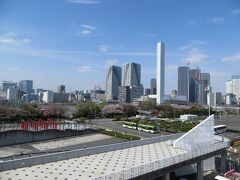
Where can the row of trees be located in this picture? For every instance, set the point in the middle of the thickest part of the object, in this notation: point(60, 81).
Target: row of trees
point(31, 111)
point(93, 110)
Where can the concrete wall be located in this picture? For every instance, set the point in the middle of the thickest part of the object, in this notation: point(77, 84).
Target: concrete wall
point(23, 136)
point(208, 165)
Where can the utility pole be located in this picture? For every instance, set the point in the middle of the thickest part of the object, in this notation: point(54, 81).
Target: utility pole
point(209, 107)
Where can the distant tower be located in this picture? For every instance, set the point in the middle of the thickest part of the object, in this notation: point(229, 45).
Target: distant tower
point(153, 86)
point(61, 89)
point(183, 81)
point(113, 82)
point(131, 74)
point(26, 86)
point(160, 72)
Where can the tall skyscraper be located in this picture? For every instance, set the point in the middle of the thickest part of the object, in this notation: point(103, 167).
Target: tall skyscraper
point(233, 86)
point(160, 72)
point(61, 89)
point(113, 82)
point(183, 81)
point(153, 86)
point(26, 86)
point(194, 77)
point(131, 74)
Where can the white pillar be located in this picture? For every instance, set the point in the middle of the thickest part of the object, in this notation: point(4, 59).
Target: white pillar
point(160, 72)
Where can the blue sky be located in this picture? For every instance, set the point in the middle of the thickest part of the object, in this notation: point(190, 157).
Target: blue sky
point(72, 42)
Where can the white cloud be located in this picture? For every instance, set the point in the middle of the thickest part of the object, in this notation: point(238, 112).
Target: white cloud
point(13, 38)
point(216, 20)
point(103, 48)
point(86, 30)
point(235, 57)
point(84, 2)
point(195, 56)
point(86, 68)
point(192, 44)
point(111, 62)
point(86, 26)
point(236, 11)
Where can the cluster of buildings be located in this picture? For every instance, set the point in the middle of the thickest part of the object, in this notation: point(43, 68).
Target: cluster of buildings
point(195, 86)
point(13, 93)
point(123, 85)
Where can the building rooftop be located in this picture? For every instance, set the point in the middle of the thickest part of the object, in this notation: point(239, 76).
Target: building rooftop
point(138, 158)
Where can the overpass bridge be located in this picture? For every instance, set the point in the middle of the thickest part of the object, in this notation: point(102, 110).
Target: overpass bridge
point(143, 159)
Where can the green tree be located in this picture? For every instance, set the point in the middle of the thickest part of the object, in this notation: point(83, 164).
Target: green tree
point(88, 110)
point(129, 110)
point(147, 105)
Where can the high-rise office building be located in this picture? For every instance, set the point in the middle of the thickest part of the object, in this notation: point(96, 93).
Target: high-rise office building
point(131, 74)
point(194, 77)
point(124, 94)
point(211, 99)
point(147, 91)
point(153, 86)
point(183, 81)
point(233, 86)
point(26, 86)
point(12, 95)
point(136, 92)
point(8, 85)
point(219, 99)
point(160, 72)
point(61, 89)
point(128, 93)
point(229, 87)
point(113, 82)
point(47, 96)
point(203, 83)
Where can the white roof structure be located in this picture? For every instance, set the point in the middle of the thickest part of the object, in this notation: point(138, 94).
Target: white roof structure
point(128, 162)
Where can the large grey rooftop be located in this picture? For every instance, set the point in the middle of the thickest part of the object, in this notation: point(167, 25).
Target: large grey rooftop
point(123, 163)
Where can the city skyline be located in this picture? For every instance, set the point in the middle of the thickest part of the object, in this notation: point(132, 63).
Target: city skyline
point(74, 44)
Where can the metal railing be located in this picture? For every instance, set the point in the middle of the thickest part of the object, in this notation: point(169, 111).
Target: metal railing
point(59, 126)
point(165, 162)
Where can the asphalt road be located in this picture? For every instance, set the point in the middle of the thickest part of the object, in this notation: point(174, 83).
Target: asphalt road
point(233, 136)
point(232, 121)
point(117, 126)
